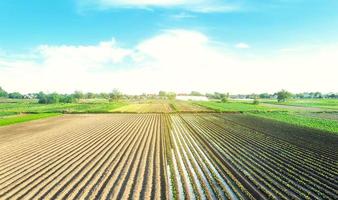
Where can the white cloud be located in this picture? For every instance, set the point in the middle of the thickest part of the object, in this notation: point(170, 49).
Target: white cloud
point(182, 15)
point(242, 46)
point(204, 6)
point(177, 60)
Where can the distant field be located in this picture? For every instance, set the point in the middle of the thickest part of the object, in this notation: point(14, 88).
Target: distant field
point(156, 107)
point(311, 117)
point(236, 107)
point(27, 107)
point(318, 114)
point(301, 120)
point(188, 106)
point(331, 104)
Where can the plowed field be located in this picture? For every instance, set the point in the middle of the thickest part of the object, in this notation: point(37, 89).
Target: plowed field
point(164, 156)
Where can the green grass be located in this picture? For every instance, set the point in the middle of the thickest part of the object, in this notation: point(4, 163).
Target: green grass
point(283, 115)
point(301, 120)
point(318, 103)
point(21, 111)
point(236, 107)
point(59, 108)
point(14, 119)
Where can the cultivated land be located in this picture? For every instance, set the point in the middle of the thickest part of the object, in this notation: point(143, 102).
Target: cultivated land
point(166, 156)
point(84, 157)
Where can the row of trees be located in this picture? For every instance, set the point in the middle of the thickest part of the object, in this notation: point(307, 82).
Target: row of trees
point(167, 95)
point(13, 95)
point(44, 98)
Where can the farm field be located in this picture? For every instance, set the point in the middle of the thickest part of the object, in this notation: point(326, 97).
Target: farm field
point(184, 106)
point(324, 104)
point(166, 156)
point(156, 107)
point(312, 117)
point(83, 157)
point(33, 107)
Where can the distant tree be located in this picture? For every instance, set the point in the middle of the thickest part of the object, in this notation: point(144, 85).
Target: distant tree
point(103, 95)
point(224, 100)
point(255, 101)
point(78, 95)
point(42, 98)
point(171, 95)
point(90, 95)
point(53, 98)
point(162, 93)
point(300, 95)
point(264, 96)
point(195, 93)
point(115, 95)
point(318, 95)
point(67, 99)
point(283, 95)
point(3, 93)
point(15, 95)
point(225, 97)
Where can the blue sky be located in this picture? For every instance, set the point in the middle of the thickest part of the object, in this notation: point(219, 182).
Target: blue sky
point(245, 32)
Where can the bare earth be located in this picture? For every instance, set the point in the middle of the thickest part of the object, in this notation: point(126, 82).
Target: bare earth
point(82, 157)
point(166, 156)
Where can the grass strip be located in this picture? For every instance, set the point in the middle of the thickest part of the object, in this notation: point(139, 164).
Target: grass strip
point(25, 118)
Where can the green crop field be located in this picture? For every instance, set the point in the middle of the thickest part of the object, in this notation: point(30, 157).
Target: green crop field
point(325, 120)
point(13, 119)
point(331, 104)
point(236, 107)
point(301, 120)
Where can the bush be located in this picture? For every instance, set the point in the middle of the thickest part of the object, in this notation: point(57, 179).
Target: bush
point(55, 98)
point(224, 100)
point(15, 95)
point(255, 102)
point(283, 95)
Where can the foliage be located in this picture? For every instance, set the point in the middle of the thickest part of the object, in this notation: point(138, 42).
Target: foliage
point(15, 95)
point(217, 95)
point(162, 93)
point(55, 98)
point(115, 95)
point(255, 101)
point(235, 107)
point(301, 120)
point(224, 100)
point(171, 95)
point(195, 93)
point(3, 93)
point(283, 95)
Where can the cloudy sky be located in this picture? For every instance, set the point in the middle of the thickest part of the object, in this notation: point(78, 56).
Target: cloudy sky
point(236, 46)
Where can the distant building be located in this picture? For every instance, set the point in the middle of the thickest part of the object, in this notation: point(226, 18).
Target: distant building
point(192, 98)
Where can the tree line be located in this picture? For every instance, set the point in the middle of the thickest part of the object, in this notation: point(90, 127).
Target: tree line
point(116, 95)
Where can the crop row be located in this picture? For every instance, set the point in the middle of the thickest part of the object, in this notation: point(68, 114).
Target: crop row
point(118, 157)
point(276, 168)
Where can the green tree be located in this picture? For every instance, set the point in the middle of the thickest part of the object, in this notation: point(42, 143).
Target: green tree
point(171, 95)
point(115, 95)
point(195, 93)
point(15, 95)
point(3, 93)
point(162, 93)
point(78, 95)
point(264, 96)
point(283, 95)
